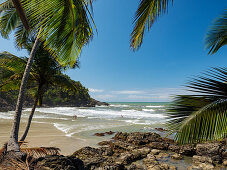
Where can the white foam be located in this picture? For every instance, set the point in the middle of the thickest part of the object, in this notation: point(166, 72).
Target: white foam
point(154, 106)
point(148, 110)
point(119, 105)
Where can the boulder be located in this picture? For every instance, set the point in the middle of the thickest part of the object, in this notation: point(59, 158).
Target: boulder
point(188, 150)
point(59, 162)
point(136, 166)
point(174, 148)
point(201, 159)
point(162, 155)
point(212, 150)
point(138, 138)
point(91, 156)
point(177, 156)
point(159, 145)
point(155, 151)
point(202, 166)
point(225, 163)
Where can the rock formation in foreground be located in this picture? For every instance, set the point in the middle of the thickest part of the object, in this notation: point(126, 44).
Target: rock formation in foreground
point(140, 151)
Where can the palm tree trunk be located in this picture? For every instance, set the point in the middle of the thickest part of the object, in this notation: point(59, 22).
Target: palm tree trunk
point(13, 140)
point(30, 119)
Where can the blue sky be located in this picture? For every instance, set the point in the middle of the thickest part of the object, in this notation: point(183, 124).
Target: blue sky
point(172, 52)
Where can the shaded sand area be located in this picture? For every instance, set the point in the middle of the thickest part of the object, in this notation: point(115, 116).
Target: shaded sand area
point(44, 135)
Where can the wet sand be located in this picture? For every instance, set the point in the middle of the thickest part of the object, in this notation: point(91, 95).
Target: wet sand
point(44, 135)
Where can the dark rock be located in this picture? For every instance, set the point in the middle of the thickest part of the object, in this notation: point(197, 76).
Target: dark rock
point(135, 166)
point(188, 150)
point(177, 156)
point(90, 156)
point(202, 166)
point(162, 155)
point(119, 146)
point(109, 133)
point(212, 150)
point(103, 143)
point(112, 167)
point(161, 129)
point(59, 162)
point(155, 151)
point(99, 134)
point(159, 145)
point(174, 148)
point(138, 138)
point(201, 159)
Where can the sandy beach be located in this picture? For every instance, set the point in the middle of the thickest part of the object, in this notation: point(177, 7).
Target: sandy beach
point(45, 135)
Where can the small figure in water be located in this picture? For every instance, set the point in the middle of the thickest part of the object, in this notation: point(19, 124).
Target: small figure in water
point(122, 116)
point(75, 117)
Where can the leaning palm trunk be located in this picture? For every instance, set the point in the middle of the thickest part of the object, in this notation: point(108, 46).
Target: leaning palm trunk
point(30, 119)
point(13, 140)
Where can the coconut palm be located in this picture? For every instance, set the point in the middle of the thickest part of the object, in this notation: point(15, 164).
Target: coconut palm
point(202, 116)
point(64, 28)
point(45, 72)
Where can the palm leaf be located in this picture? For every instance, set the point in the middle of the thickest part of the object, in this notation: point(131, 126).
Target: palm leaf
point(209, 123)
point(146, 14)
point(38, 152)
point(217, 35)
point(65, 26)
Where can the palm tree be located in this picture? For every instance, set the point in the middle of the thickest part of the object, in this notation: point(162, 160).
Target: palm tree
point(63, 27)
point(45, 72)
point(202, 116)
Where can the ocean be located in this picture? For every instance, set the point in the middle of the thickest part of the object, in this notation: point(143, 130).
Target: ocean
point(123, 116)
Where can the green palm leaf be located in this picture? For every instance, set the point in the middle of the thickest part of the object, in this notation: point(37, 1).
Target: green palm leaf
point(217, 35)
point(146, 14)
point(190, 114)
point(209, 123)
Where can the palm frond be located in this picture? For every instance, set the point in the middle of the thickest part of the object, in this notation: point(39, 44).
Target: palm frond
point(38, 152)
point(9, 19)
point(217, 35)
point(146, 14)
point(65, 26)
point(182, 107)
point(209, 123)
point(207, 88)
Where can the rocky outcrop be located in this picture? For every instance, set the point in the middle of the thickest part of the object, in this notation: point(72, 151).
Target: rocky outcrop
point(142, 151)
point(58, 162)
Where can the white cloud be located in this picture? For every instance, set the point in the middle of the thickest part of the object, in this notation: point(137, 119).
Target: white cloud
point(95, 90)
point(128, 92)
point(148, 95)
point(104, 97)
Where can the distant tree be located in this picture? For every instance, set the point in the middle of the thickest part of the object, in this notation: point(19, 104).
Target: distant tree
point(45, 72)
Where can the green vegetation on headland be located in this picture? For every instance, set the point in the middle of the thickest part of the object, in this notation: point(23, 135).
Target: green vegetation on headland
point(55, 96)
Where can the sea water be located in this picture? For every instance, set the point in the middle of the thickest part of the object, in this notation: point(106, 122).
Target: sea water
point(85, 121)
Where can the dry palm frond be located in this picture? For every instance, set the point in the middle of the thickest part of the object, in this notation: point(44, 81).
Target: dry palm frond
point(41, 151)
point(3, 152)
point(16, 165)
